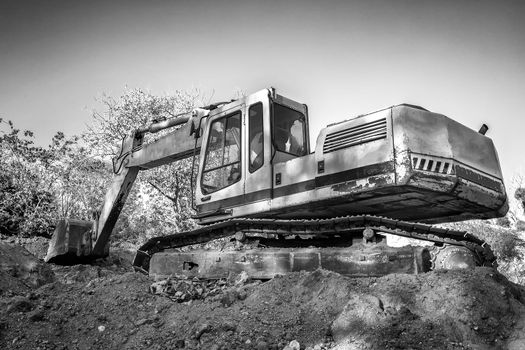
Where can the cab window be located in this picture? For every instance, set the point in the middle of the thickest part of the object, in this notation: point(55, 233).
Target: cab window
point(256, 137)
point(222, 162)
point(289, 130)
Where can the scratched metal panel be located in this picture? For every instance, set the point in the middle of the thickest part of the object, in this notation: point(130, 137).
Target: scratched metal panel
point(296, 170)
point(424, 132)
point(358, 260)
point(370, 150)
point(176, 145)
point(436, 153)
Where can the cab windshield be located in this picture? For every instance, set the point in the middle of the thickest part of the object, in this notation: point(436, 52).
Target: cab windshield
point(289, 130)
point(222, 164)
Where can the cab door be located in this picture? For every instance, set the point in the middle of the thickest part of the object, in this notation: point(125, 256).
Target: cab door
point(258, 172)
point(220, 185)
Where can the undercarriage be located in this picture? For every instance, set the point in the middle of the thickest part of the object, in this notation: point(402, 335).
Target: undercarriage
point(352, 246)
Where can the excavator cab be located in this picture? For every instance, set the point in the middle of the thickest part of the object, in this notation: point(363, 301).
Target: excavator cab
point(244, 141)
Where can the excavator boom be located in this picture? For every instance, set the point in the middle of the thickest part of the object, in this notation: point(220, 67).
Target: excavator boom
point(77, 240)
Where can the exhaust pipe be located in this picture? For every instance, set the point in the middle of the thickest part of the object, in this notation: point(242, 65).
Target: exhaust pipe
point(483, 130)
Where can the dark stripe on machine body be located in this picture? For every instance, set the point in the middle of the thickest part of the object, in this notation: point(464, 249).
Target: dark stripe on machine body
point(309, 185)
point(248, 198)
point(354, 174)
point(477, 178)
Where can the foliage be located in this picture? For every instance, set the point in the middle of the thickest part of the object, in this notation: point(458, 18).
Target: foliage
point(21, 191)
point(161, 200)
point(69, 177)
point(135, 108)
point(519, 194)
point(504, 221)
point(39, 185)
point(77, 177)
point(506, 242)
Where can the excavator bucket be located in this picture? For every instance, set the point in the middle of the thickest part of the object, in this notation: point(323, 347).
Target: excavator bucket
point(71, 242)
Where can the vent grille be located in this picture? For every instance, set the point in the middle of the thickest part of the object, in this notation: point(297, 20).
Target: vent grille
point(356, 135)
point(436, 165)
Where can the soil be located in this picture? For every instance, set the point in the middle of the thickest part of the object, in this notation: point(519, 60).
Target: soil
point(107, 306)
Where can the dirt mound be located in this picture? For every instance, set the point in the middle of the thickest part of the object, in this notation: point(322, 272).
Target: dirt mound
point(105, 306)
point(20, 271)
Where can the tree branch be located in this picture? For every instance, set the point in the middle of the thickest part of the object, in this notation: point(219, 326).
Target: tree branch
point(174, 200)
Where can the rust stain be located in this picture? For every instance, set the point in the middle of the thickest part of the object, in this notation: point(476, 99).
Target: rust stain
point(432, 181)
point(378, 180)
point(350, 186)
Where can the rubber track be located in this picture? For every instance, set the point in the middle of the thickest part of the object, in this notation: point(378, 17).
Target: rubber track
point(334, 226)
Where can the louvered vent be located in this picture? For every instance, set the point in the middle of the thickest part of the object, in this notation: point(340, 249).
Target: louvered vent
point(356, 135)
point(434, 164)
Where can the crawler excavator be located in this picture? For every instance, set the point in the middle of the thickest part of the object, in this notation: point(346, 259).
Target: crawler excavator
point(275, 204)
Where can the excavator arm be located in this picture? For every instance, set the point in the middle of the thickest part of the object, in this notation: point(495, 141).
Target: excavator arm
point(78, 240)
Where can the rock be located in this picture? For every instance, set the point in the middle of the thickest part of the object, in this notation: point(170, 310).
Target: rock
point(240, 237)
point(36, 315)
point(261, 345)
point(20, 304)
point(158, 287)
point(361, 310)
point(242, 279)
point(228, 298)
point(242, 295)
point(293, 345)
point(228, 326)
point(101, 328)
point(203, 328)
point(143, 321)
point(32, 296)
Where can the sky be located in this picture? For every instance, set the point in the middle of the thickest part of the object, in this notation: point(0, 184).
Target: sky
point(464, 59)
